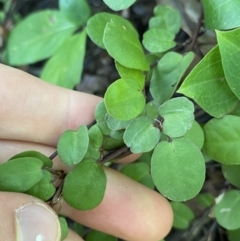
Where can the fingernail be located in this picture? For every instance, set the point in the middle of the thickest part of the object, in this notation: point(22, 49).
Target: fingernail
point(34, 222)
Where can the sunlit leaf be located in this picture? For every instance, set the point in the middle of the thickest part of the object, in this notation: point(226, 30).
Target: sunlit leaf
point(141, 135)
point(206, 84)
point(227, 210)
point(123, 45)
point(85, 185)
point(72, 51)
point(72, 145)
point(177, 116)
point(20, 174)
point(182, 215)
point(38, 36)
point(178, 169)
point(77, 11)
point(124, 99)
point(222, 139)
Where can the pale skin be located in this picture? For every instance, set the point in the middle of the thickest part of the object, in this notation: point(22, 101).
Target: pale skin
point(33, 114)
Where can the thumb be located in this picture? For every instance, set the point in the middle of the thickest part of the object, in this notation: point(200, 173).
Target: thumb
point(25, 218)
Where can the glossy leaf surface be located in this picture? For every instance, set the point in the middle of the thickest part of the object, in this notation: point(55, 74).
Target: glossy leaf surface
point(158, 40)
point(182, 215)
point(20, 174)
point(141, 135)
point(222, 139)
point(167, 74)
point(64, 227)
point(221, 14)
point(119, 5)
point(206, 84)
point(178, 116)
point(178, 169)
point(44, 189)
point(77, 11)
point(38, 36)
point(47, 162)
point(85, 185)
point(97, 23)
point(72, 145)
point(230, 52)
point(61, 69)
point(232, 174)
point(196, 135)
point(124, 99)
point(227, 210)
point(123, 45)
point(99, 236)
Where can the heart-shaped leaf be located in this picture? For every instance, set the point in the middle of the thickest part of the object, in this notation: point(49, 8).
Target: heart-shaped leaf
point(72, 145)
point(141, 135)
point(178, 169)
point(85, 185)
point(206, 84)
point(124, 99)
point(222, 139)
point(227, 210)
point(177, 116)
point(19, 175)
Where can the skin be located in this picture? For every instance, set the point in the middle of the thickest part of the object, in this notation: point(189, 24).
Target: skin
point(33, 115)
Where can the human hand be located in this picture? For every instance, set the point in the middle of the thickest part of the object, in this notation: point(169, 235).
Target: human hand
point(33, 114)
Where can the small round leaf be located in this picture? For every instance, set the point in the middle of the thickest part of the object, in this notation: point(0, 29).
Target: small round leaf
point(124, 99)
point(141, 135)
point(119, 5)
point(64, 227)
point(99, 236)
point(72, 145)
point(178, 169)
point(85, 185)
point(178, 116)
point(20, 174)
point(227, 210)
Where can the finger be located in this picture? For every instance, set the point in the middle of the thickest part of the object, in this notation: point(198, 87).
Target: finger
point(72, 236)
point(37, 111)
point(129, 210)
point(26, 218)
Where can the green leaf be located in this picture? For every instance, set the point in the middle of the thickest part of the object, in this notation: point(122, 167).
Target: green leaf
point(110, 143)
point(38, 36)
point(206, 199)
point(232, 174)
point(182, 215)
point(119, 5)
point(123, 45)
point(124, 99)
point(167, 74)
point(72, 145)
point(152, 110)
point(78, 228)
point(128, 73)
point(47, 162)
point(141, 135)
point(139, 172)
point(97, 24)
point(115, 124)
point(85, 185)
point(99, 236)
point(227, 210)
point(206, 84)
point(222, 139)
point(177, 116)
point(166, 18)
point(230, 51)
point(158, 40)
point(233, 235)
point(20, 174)
point(61, 69)
point(64, 227)
point(196, 135)
point(178, 169)
point(44, 189)
point(77, 11)
point(221, 14)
